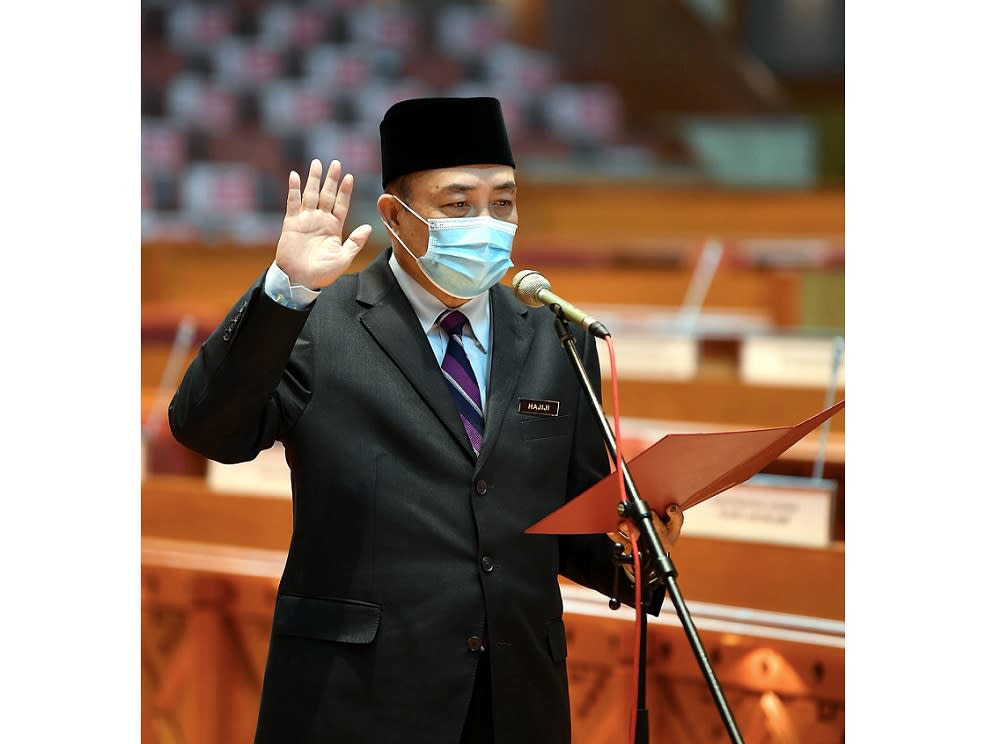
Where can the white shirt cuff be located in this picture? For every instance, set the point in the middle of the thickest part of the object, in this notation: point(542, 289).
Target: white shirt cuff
point(278, 287)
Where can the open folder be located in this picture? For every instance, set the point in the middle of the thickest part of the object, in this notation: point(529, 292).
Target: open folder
point(683, 469)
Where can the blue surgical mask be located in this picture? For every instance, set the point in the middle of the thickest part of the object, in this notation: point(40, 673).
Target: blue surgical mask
point(465, 255)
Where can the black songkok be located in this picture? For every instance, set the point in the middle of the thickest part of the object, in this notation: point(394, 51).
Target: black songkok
point(424, 133)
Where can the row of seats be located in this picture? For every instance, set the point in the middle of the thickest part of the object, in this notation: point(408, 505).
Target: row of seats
point(236, 95)
point(461, 26)
point(579, 114)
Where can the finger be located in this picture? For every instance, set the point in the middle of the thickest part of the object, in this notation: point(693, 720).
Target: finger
point(675, 521)
point(623, 544)
point(357, 239)
point(344, 198)
point(310, 195)
point(294, 202)
point(329, 192)
point(619, 538)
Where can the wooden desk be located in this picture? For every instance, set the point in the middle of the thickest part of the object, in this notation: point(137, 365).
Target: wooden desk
point(719, 401)
point(205, 282)
point(205, 621)
point(773, 578)
point(769, 619)
point(184, 508)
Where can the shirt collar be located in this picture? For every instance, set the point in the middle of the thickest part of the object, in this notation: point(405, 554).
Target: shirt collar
point(429, 308)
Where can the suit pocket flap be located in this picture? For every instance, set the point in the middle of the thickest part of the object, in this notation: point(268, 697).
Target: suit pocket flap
point(342, 620)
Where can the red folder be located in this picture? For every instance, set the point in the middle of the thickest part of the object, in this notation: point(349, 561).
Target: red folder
point(683, 469)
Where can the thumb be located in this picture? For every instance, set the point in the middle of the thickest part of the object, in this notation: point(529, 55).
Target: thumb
point(675, 521)
point(357, 239)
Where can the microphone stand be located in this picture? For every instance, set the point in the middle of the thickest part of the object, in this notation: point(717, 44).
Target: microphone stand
point(638, 512)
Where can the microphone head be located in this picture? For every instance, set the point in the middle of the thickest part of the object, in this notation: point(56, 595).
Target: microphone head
point(527, 284)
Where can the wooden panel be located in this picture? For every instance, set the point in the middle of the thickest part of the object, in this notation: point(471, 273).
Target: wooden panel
point(560, 223)
point(720, 401)
point(618, 214)
point(777, 691)
point(589, 208)
point(768, 577)
point(204, 283)
point(203, 277)
point(610, 213)
point(204, 641)
point(769, 294)
point(776, 578)
point(185, 508)
point(205, 619)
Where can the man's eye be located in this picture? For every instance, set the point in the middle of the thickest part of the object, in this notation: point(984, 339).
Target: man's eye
point(502, 203)
point(459, 205)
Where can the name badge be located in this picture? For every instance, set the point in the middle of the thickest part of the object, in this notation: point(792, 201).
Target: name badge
point(538, 407)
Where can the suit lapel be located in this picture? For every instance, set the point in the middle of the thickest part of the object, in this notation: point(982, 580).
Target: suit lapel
point(510, 342)
point(393, 324)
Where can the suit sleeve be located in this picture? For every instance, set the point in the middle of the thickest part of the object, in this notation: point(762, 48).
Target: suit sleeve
point(249, 383)
point(586, 559)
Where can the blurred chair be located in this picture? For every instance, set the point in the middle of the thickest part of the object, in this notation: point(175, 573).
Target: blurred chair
point(196, 26)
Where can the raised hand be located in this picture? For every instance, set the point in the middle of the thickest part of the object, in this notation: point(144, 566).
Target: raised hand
point(311, 250)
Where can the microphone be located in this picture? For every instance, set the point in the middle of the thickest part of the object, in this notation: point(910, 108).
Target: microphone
point(534, 290)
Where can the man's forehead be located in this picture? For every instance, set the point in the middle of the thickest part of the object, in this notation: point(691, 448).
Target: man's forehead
point(464, 178)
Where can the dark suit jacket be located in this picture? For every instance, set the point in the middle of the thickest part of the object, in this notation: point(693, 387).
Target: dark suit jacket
point(406, 548)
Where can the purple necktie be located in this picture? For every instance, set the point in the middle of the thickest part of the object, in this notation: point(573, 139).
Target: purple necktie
point(461, 379)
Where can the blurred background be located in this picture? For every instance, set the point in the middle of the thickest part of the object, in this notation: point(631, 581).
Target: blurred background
point(680, 175)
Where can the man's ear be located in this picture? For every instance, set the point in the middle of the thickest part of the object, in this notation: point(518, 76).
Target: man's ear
point(388, 209)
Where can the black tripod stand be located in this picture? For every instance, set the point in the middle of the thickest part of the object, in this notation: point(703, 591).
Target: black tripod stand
point(636, 510)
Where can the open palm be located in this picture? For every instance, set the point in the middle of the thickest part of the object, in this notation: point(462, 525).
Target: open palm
point(311, 250)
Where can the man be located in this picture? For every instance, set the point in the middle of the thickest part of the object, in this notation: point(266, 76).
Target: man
point(412, 607)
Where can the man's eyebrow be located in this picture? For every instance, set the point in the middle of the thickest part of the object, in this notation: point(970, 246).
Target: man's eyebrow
point(465, 188)
point(460, 187)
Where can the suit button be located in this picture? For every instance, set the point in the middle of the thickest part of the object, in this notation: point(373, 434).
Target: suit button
point(227, 335)
point(486, 563)
point(475, 643)
point(481, 487)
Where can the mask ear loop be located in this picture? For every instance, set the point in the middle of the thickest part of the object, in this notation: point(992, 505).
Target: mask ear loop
point(410, 210)
point(407, 248)
point(396, 235)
